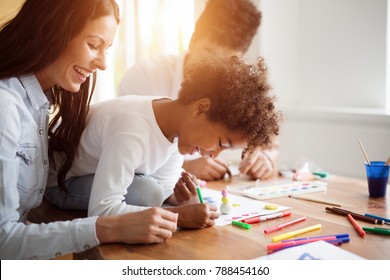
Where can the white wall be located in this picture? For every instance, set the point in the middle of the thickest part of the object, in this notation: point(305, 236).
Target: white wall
point(327, 64)
point(329, 139)
point(326, 52)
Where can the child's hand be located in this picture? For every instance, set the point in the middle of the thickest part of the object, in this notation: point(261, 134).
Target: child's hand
point(207, 168)
point(196, 215)
point(185, 190)
point(258, 166)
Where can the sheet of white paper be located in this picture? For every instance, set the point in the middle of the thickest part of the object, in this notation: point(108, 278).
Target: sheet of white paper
point(319, 250)
point(244, 207)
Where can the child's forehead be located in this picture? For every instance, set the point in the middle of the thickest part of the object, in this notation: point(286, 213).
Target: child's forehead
point(235, 140)
point(239, 143)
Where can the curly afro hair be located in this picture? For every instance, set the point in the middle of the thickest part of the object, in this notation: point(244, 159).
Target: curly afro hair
point(228, 23)
point(240, 98)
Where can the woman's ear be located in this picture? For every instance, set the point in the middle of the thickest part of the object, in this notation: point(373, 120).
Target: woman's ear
point(201, 106)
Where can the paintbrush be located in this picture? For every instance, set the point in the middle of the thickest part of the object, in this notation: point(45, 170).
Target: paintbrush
point(364, 152)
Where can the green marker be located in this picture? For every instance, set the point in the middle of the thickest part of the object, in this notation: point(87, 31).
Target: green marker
point(377, 230)
point(322, 174)
point(199, 194)
point(241, 224)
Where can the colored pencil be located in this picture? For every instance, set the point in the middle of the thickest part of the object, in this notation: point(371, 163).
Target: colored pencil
point(315, 200)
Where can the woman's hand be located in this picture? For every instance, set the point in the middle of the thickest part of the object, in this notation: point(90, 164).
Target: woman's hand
point(153, 225)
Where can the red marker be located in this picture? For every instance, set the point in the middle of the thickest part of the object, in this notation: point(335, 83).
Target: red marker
point(278, 227)
point(259, 219)
point(358, 228)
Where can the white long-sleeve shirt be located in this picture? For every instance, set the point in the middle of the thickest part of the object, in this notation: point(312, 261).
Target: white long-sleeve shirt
point(155, 76)
point(122, 138)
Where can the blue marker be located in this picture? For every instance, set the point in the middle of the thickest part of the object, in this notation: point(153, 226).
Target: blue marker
point(387, 221)
point(338, 236)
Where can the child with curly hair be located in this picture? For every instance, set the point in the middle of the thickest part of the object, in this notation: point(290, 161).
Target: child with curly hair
point(129, 153)
point(225, 27)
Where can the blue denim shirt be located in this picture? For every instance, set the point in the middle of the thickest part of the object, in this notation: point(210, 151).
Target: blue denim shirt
point(24, 167)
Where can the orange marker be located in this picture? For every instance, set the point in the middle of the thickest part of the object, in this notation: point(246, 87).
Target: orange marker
point(358, 228)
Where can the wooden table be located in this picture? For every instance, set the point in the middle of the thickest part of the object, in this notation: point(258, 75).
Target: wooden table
point(234, 243)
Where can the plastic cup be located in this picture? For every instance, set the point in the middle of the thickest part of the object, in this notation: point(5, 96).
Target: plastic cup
point(377, 177)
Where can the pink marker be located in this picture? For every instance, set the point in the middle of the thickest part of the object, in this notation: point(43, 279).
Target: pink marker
point(282, 245)
point(278, 227)
point(259, 219)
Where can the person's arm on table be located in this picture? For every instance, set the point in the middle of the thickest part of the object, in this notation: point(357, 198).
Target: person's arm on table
point(206, 168)
point(261, 165)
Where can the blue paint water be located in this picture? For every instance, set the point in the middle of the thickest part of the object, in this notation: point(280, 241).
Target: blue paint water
point(377, 186)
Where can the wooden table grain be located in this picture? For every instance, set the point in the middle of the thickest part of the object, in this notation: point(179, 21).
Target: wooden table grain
point(234, 243)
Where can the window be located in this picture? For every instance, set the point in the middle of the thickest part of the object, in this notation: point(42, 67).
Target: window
point(147, 28)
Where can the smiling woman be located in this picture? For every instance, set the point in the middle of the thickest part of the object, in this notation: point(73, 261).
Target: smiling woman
point(84, 55)
point(51, 60)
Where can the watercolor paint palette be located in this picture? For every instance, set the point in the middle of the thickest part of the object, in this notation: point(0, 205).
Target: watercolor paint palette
point(280, 190)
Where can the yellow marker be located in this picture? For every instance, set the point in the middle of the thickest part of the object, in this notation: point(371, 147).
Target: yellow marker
point(236, 204)
point(293, 233)
point(271, 206)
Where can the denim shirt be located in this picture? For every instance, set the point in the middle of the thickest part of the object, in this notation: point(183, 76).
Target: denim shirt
point(24, 167)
